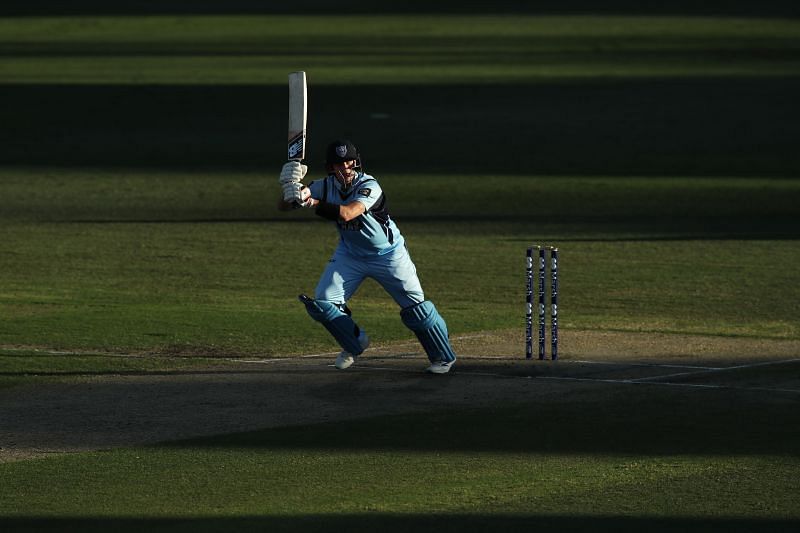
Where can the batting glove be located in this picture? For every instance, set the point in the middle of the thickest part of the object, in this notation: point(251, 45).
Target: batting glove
point(291, 191)
point(292, 172)
point(305, 197)
point(297, 194)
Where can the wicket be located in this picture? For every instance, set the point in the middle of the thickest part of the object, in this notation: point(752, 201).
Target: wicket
point(541, 308)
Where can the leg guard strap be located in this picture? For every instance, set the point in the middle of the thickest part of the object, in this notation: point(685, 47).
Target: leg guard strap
point(338, 323)
point(431, 330)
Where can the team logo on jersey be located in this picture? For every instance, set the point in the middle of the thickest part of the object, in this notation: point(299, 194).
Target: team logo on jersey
point(341, 151)
point(365, 192)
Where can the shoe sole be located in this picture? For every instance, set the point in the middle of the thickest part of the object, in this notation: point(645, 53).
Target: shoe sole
point(438, 370)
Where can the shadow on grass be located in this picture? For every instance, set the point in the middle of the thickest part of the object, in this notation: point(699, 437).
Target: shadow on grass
point(466, 412)
point(644, 229)
point(731, 127)
point(386, 522)
point(620, 421)
point(764, 8)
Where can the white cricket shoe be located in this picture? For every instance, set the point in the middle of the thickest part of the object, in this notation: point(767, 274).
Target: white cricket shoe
point(346, 359)
point(440, 367)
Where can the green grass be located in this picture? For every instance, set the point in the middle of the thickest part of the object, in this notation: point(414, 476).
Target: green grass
point(566, 460)
point(137, 191)
point(26, 367)
point(146, 266)
point(49, 363)
point(390, 49)
point(479, 484)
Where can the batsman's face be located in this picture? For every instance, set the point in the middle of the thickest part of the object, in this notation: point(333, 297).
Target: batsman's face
point(345, 172)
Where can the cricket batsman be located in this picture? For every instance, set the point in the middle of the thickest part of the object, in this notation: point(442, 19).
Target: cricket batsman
point(370, 245)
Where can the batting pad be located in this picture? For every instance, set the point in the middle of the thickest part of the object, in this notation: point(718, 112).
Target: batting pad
point(429, 326)
point(338, 323)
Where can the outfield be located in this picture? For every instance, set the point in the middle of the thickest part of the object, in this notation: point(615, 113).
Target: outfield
point(157, 371)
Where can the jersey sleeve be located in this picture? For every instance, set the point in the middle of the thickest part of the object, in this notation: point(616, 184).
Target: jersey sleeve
point(317, 188)
point(368, 193)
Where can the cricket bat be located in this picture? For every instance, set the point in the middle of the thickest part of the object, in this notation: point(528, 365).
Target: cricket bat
point(298, 111)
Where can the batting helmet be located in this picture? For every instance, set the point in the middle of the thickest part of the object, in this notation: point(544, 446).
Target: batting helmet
point(342, 150)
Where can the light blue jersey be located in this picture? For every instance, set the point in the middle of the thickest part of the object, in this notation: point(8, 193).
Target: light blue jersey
point(370, 246)
point(374, 232)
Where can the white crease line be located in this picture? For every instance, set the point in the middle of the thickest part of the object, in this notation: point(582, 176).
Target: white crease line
point(279, 359)
point(82, 354)
point(328, 354)
point(648, 365)
point(713, 370)
point(766, 363)
point(368, 367)
point(611, 381)
point(669, 384)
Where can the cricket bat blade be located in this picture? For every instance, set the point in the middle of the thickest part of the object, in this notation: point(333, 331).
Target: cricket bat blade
point(298, 112)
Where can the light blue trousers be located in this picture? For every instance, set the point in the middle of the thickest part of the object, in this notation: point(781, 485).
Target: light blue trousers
point(395, 272)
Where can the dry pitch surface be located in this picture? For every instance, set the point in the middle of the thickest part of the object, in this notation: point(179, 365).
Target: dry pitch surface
point(96, 412)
